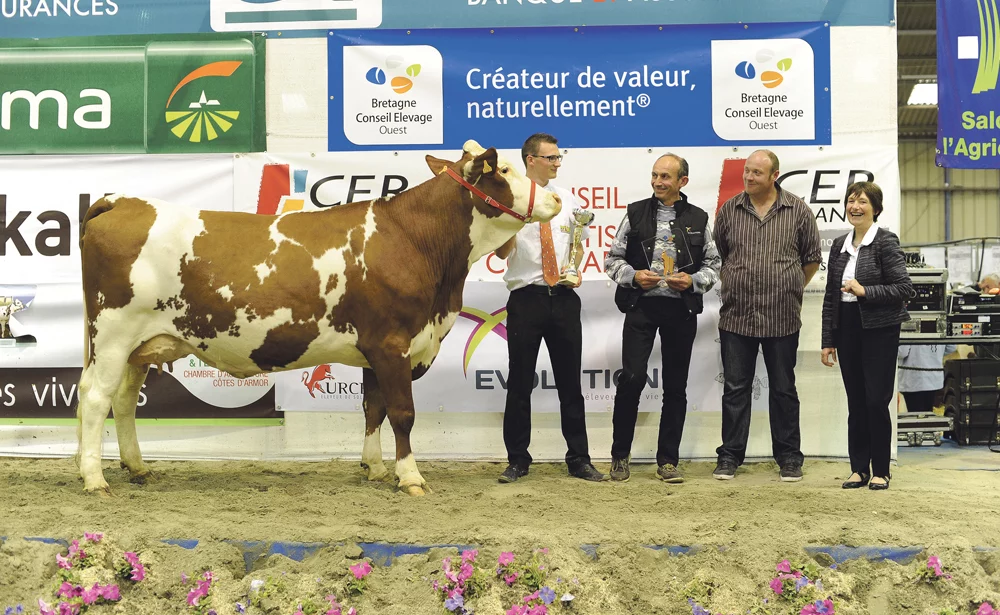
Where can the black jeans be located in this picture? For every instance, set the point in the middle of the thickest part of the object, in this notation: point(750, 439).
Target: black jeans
point(532, 316)
point(868, 365)
point(739, 363)
point(918, 401)
point(677, 328)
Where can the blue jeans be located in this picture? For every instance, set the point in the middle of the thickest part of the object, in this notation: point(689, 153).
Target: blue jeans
point(739, 362)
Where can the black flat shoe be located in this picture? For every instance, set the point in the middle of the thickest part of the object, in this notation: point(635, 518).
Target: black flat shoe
point(880, 486)
point(857, 484)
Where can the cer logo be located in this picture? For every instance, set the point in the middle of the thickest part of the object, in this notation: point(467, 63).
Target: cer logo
point(770, 78)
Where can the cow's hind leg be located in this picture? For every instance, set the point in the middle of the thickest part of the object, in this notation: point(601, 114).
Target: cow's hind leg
point(391, 363)
point(123, 406)
point(374, 405)
point(98, 383)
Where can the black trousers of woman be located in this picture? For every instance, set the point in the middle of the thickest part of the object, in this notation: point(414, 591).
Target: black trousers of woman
point(868, 365)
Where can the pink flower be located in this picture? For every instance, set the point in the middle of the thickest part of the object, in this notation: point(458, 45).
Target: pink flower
point(784, 566)
point(44, 608)
point(68, 590)
point(91, 595)
point(531, 596)
point(986, 609)
point(777, 585)
point(111, 592)
point(470, 555)
point(506, 558)
point(538, 609)
point(93, 537)
point(517, 609)
point(138, 570)
point(66, 608)
point(543, 551)
point(510, 578)
point(196, 594)
point(361, 570)
point(63, 562)
point(464, 572)
point(298, 611)
point(352, 611)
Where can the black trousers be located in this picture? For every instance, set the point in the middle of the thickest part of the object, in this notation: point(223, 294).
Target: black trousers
point(533, 315)
point(920, 401)
point(677, 328)
point(868, 365)
point(739, 364)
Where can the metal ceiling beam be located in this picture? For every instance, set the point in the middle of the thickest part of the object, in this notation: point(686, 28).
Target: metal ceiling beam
point(916, 32)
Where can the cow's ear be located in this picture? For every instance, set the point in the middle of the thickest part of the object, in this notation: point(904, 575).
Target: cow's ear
point(437, 165)
point(483, 164)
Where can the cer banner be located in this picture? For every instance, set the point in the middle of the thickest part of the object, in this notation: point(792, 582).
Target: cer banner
point(968, 61)
point(181, 94)
point(54, 18)
point(722, 84)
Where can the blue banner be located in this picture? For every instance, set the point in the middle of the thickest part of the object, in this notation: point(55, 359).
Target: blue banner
point(651, 86)
point(968, 63)
point(62, 18)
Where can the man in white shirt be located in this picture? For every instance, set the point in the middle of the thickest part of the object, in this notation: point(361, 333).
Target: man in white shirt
point(540, 309)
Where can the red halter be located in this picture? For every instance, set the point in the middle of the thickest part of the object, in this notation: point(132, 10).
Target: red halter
point(493, 202)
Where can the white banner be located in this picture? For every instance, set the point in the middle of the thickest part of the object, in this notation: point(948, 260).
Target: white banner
point(470, 371)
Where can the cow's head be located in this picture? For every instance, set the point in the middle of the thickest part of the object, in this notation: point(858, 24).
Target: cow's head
point(501, 181)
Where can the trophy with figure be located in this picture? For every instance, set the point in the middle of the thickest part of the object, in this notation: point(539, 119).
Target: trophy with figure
point(569, 274)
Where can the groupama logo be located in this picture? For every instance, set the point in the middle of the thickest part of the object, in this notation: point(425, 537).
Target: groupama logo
point(401, 83)
point(203, 119)
point(770, 78)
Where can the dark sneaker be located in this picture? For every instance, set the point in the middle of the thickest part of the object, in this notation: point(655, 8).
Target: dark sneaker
point(512, 473)
point(725, 469)
point(619, 469)
point(790, 473)
point(588, 472)
point(668, 472)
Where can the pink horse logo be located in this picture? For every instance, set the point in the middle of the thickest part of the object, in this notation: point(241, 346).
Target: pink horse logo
point(312, 380)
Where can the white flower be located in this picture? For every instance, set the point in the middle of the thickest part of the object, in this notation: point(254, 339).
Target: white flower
point(567, 597)
point(256, 584)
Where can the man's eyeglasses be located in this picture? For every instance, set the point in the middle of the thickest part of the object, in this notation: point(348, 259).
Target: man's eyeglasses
point(553, 158)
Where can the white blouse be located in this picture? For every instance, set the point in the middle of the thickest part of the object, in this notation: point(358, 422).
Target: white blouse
point(852, 265)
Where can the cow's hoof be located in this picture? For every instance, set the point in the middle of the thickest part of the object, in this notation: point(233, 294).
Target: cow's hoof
point(103, 491)
point(414, 490)
point(378, 473)
point(142, 478)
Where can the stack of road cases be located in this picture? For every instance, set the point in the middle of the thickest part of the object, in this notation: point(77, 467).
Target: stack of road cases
point(971, 399)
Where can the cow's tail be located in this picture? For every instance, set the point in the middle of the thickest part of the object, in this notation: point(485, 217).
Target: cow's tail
point(102, 205)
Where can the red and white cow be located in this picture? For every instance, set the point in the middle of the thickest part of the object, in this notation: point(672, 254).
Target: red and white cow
point(376, 284)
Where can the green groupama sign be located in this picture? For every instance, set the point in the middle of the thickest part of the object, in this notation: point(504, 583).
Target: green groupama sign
point(178, 95)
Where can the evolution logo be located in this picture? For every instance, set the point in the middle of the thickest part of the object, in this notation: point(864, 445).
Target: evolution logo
point(244, 15)
point(388, 100)
point(284, 189)
point(320, 380)
point(486, 322)
point(200, 117)
point(757, 101)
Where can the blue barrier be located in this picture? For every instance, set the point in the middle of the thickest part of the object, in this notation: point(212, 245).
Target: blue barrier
point(842, 553)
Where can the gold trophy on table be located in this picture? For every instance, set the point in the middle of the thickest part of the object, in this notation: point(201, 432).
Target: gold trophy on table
point(569, 274)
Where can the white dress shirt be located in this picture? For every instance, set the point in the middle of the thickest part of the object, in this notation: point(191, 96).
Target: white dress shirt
point(852, 265)
point(524, 265)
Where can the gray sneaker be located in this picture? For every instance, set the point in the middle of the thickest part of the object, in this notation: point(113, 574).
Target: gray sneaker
point(668, 472)
point(619, 469)
point(725, 469)
point(790, 473)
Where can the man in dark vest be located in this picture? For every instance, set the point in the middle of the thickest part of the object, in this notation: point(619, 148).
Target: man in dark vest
point(663, 231)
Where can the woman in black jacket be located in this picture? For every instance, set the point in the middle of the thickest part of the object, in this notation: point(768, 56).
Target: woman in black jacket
point(866, 286)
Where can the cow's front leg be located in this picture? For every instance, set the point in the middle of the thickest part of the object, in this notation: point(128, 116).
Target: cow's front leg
point(374, 405)
point(393, 372)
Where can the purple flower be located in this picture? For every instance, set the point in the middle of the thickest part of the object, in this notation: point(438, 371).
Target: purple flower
point(455, 602)
point(547, 594)
point(800, 583)
point(240, 608)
